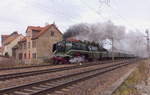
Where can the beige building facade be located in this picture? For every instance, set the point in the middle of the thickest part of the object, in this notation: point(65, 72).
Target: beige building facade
point(1, 51)
point(37, 45)
point(9, 42)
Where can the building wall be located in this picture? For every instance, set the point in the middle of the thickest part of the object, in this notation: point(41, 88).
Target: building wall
point(28, 50)
point(25, 48)
point(45, 43)
point(8, 48)
point(1, 50)
point(34, 52)
point(38, 49)
point(21, 50)
point(1, 53)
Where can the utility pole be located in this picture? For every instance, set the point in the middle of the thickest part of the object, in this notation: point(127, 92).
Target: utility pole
point(148, 66)
point(147, 32)
point(113, 49)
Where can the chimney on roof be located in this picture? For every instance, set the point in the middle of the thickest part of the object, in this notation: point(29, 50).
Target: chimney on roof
point(54, 22)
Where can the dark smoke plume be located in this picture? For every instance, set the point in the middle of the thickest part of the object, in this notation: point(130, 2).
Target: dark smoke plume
point(128, 42)
point(76, 30)
point(95, 32)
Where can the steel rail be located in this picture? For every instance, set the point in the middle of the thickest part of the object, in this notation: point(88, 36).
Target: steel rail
point(59, 82)
point(38, 72)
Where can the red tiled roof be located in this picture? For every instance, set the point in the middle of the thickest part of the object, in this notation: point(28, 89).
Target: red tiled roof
point(41, 32)
point(23, 39)
point(72, 39)
point(14, 33)
point(57, 29)
point(6, 39)
point(10, 39)
point(44, 30)
point(5, 36)
point(37, 28)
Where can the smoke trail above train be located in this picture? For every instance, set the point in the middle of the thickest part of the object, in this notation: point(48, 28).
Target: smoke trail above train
point(132, 42)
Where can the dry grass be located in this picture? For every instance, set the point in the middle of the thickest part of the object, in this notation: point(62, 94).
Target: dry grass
point(138, 76)
point(9, 63)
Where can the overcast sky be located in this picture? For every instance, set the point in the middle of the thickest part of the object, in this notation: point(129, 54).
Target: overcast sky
point(18, 14)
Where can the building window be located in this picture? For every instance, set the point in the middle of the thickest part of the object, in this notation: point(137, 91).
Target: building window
point(24, 45)
point(34, 55)
point(25, 56)
point(28, 44)
point(29, 55)
point(34, 44)
point(52, 33)
point(20, 46)
point(20, 56)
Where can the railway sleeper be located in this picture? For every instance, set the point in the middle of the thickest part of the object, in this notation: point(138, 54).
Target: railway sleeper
point(67, 80)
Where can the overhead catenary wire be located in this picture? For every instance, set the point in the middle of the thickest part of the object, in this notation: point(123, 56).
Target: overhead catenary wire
point(120, 16)
point(92, 9)
point(112, 40)
point(124, 19)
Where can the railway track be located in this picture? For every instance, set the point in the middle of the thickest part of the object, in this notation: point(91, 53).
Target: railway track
point(38, 72)
point(53, 84)
point(25, 67)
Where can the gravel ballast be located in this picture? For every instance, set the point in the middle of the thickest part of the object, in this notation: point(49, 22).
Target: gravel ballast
point(96, 85)
point(36, 78)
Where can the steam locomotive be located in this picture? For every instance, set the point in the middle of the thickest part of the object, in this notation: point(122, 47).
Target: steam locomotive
point(74, 51)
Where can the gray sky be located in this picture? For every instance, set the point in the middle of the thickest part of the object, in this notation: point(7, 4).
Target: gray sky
point(18, 14)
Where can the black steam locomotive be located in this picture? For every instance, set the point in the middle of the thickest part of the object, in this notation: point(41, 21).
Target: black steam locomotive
point(73, 51)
